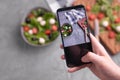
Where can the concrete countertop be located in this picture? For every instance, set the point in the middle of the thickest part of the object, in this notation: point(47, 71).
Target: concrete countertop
point(19, 61)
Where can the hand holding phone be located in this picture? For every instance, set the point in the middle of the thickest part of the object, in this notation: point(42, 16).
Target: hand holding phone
point(74, 31)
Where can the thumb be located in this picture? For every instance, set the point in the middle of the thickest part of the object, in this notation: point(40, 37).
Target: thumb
point(92, 57)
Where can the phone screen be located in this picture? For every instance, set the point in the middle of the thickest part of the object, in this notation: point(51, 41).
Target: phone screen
point(74, 31)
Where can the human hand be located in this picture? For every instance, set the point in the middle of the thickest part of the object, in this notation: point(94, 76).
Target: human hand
point(102, 65)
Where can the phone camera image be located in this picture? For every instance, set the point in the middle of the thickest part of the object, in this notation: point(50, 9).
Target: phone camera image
point(66, 30)
point(75, 34)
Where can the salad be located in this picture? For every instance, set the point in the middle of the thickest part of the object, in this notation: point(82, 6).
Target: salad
point(108, 16)
point(66, 30)
point(40, 27)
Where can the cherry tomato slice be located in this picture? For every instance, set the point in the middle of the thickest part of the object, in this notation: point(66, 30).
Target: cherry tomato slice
point(26, 28)
point(35, 30)
point(48, 32)
point(54, 28)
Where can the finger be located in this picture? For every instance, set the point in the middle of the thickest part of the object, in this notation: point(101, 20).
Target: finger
point(62, 57)
point(92, 57)
point(97, 47)
point(61, 46)
point(71, 70)
point(95, 42)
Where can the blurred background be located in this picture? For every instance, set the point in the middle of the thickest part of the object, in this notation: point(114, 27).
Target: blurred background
point(21, 61)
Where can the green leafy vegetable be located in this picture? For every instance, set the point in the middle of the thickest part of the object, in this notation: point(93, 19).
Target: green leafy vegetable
point(48, 15)
point(118, 37)
point(96, 8)
point(35, 23)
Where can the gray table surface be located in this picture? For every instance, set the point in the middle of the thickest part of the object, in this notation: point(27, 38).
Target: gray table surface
point(19, 61)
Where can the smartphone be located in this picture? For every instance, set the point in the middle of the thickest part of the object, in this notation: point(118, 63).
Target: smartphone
point(74, 30)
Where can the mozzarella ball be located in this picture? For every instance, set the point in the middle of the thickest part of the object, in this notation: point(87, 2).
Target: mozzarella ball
point(65, 35)
point(30, 32)
point(41, 40)
point(105, 23)
point(52, 21)
point(39, 19)
point(118, 28)
point(43, 23)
